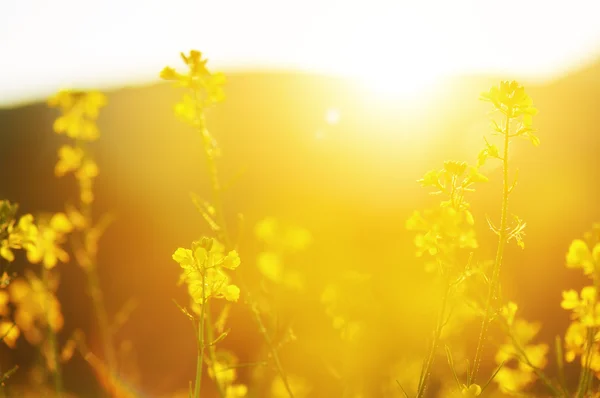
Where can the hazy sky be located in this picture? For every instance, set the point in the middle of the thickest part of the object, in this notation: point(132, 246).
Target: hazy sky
point(50, 44)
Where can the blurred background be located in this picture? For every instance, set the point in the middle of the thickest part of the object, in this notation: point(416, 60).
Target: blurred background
point(333, 111)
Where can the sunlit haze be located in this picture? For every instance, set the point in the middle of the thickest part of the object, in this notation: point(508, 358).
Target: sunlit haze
point(391, 46)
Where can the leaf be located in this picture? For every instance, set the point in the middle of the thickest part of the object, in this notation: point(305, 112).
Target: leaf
point(220, 322)
point(492, 376)
point(496, 127)
point(221, 337)
point(207, 211)
point(482, 157)
point(534, 139)
point(185, 311)
point(451, 363)
point(492, 227)
point(402, 389)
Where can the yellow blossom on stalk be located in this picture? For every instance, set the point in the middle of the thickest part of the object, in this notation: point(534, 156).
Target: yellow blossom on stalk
point(582, 255)
point(223, 371)
point(69, 159)
point(46, 247)
point(508, 312)
point(76, 218)
point(585, 306)
point(576, 345)
point(9, 333)
point(36, 307)
point(21, 235)
point(197, 77)
point(518, 352)
point(511, 99)
point(79, 111)
point(206, 262)
point(85, 175)
point(206, 87)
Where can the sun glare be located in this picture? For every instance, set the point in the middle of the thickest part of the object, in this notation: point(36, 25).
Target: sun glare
point(409, 85)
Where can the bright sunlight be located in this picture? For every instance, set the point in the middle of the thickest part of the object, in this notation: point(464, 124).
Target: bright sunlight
point(392, 46)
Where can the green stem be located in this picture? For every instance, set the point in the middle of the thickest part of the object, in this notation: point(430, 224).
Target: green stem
point(426, 373)
point(94, 287)
point(201, 344)
point(272, 349)
point(54, 360)
point(556, 392)
point(560, 364)
point(218, 203)
point(6, 376)
point(97, 297)
point(502, 237)
point(212, 353)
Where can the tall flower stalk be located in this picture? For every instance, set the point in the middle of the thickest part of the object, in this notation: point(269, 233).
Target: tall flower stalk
point(517, 109)
point(79, 112)
point(206, 89)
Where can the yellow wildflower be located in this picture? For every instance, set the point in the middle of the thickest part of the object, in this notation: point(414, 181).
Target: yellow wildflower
point(9, 333)
point(203, 271)
point(21, 236)
point(224, 373)
point(580, 255)
point(46, 248)
point(511, 378)
point(511, 99)
point(69, 159)
point(36, 307)
point(79, 111)
point(585, 306)
point(208, 87)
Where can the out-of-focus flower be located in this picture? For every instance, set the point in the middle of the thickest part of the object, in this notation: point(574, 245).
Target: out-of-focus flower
point(36, 307)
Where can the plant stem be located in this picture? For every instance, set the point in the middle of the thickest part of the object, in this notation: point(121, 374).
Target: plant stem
point(94, 288)
point(97, 297)
point(272, 349)
point(53, 360)
point(426, 373)
point(547, 382)
point(200, 359)
point(220, 213)
point(212, 353)
point(502, 237)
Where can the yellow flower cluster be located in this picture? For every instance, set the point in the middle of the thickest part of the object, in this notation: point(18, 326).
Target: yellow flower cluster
point(520, 349)
point(511, 99)
point(36, 308)
point(79, 111)
point(280, 241)
point(204, 271)
point(13, 234)
point(582, 335)
point(224, 373)
point(206, 87)
point(442, 230)
point(514, 103)
point(51, 233)
point(42, 242)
